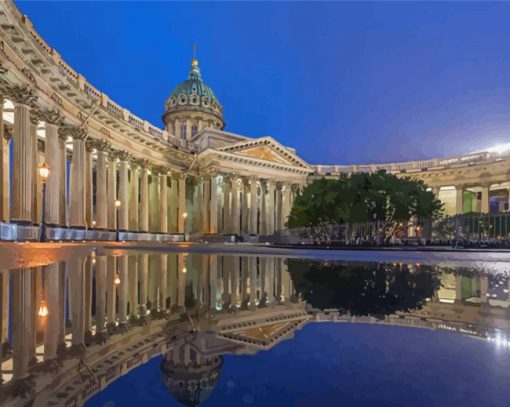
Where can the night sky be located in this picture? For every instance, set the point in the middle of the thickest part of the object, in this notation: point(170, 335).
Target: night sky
point(341, 82)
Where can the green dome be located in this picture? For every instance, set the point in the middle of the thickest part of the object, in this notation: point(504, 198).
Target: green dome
point(194, 85)
point(193, 95)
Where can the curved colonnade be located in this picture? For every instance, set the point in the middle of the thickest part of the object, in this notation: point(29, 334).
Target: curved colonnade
point(99, 152)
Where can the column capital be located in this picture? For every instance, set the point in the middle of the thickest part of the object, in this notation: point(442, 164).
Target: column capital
point(100, 144)
point(124, 156)
point(70, 130)
point(50, 116)
point(118, 154)
point(7, 133)
point(20, 94)
point(160, 169)
point(143, 163)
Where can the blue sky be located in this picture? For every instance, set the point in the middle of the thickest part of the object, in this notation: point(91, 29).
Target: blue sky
point(341, 82)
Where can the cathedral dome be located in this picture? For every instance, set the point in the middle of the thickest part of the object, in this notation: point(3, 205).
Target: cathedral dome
point(192, 106)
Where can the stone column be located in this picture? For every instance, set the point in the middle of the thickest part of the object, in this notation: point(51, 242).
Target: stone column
point(77, 285)
point(197, 205)
point(245, 212)
point(133, 197)
point(144, 198)
point(123, 195)
point(111, 271)
point(23, 165)
point(279, 207)
point(133, 286)
point(182, 204)
point(101, 185)
point(53, 119)
point(163, 271)
point(181, 284)
point(4, 305)
point(206, 209)
point(263, 208)
point(77, 178)
point(100, 295)
point(112, 190)
point(270, 212)
point(226, 218)
point(87, 299)
point(23, 325)
point(213, 219)
point(62, 162)
point(122, 288)
point(143, 275)
point(5, 171)
point(459, 194)
point(235, 221)
point(89, 185)
point(485, 199)
point(163, 201)
point(173, 205)
point(253, 205)
point(213, 281)
point(286, 204)
point(153, 201)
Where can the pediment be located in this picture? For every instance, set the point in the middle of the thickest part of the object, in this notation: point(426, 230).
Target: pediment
point(266, 149)
point(265, 334)
point(264, 153)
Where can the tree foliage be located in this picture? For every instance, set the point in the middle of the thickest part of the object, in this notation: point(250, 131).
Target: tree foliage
point(380, 197)
point(361, 289)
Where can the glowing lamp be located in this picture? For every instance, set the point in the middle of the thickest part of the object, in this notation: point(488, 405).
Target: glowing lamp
point(44, 171)
point(43, 309)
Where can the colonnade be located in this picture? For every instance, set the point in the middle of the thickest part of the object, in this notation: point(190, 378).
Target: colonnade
point(87, 298)
point(464, 198)
point(88, 174)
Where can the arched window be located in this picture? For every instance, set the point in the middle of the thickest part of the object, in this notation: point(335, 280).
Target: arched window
point(183, 130)
point(194, 130)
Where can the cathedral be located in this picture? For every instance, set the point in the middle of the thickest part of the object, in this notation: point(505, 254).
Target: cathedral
point(75, 160)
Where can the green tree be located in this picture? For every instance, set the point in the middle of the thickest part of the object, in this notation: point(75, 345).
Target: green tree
point(379, 197)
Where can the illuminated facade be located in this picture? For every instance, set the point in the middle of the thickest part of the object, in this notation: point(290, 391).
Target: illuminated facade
point(190, 177)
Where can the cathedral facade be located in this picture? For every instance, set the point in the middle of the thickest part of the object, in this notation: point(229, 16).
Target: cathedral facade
point(111, 170)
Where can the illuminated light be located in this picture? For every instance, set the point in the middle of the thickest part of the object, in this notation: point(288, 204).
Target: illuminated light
point(43, 309)
point(44, 171)
point(446, 301)
point(499, 148)
point(185, 215)
point(117, 203)
point(117, 280)
point(184, 270)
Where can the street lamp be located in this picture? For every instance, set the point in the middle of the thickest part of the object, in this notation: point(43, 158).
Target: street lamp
point(44, 172)
point(117, 234)
point(184, 216)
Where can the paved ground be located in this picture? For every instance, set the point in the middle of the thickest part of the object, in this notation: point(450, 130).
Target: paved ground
point(18, 255)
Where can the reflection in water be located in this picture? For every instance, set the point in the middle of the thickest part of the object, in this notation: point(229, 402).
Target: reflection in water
point(69, 329)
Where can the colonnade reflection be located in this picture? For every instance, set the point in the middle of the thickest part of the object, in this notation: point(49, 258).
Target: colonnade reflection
point(52, 311)
point(195, 308)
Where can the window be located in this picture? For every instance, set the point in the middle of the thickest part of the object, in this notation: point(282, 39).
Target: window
point(194, 130)
point(183, 131)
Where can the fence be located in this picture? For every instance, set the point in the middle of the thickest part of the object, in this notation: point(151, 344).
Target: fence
point(467, 229)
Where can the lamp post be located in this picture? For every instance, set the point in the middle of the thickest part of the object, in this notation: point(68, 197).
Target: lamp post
point(44, 172)
point(185, 216)
point(117, 206)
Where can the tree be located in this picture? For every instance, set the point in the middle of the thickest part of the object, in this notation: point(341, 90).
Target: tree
point(379, 197)
point(362, 288)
